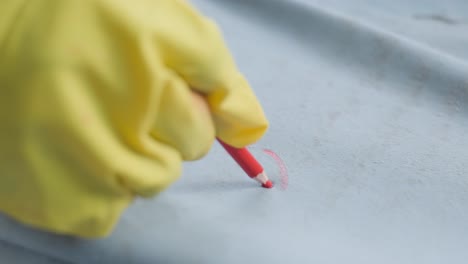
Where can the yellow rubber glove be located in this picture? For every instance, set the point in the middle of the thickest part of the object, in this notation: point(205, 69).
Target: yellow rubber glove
point(96, 106)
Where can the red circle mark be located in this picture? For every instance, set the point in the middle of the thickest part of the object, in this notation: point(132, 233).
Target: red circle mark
point(282, 167)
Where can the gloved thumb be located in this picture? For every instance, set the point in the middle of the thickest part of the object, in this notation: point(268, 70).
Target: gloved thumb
point(199, 55)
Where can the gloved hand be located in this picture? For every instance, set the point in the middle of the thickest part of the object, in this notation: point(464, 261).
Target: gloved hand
point(97, 106)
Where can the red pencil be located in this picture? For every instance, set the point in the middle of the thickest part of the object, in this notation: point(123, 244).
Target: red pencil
point(248, 163)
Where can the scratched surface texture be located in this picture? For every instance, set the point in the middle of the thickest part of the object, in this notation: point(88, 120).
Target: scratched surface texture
point(368, 103)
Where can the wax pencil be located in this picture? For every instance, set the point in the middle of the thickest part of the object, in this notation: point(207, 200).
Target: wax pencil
point(248, 163)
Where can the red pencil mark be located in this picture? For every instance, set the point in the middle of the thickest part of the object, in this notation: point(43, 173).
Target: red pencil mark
point(282, 167)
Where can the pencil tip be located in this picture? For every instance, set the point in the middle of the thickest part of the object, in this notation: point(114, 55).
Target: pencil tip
point(268, 184)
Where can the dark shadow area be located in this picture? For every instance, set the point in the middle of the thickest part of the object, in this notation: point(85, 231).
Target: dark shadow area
point(212, 187)
point(16, 254)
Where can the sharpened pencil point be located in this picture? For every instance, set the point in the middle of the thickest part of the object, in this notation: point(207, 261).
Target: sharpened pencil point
point(267, 184)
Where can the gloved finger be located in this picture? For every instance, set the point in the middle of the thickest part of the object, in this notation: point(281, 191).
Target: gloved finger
point(184, 120)
point(198, 53)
